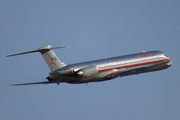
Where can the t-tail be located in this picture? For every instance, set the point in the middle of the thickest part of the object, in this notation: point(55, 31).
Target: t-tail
point(48, 55)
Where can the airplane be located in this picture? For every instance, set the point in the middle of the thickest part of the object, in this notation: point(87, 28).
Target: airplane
point(99, 70)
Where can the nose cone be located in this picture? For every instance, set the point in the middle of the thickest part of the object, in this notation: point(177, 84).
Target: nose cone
point(170, 62)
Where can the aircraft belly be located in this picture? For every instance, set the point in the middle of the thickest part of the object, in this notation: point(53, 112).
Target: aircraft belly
point(76, 80)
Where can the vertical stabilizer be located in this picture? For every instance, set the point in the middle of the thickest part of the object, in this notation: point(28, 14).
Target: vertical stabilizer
point(51, 58)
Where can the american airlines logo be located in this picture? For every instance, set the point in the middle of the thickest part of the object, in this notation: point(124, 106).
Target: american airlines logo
point(53, 61)
point(147, 55)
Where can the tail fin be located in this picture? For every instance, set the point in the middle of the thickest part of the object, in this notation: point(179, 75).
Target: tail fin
point(49, 56)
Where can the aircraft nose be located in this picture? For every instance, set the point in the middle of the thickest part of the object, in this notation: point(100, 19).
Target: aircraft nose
point(170, 62)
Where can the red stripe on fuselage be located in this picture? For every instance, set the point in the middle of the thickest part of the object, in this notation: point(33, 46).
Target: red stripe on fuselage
point(134, 65)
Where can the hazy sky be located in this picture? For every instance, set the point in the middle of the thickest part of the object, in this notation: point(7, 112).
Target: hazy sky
point(93, 29)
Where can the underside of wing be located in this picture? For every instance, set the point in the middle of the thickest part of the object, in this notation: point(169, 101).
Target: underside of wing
point(45, 82)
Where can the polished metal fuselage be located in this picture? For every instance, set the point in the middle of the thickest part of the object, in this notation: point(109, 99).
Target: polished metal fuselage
point(110, 68)
point(98, 70)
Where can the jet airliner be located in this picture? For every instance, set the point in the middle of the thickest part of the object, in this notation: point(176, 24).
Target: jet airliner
point(99, 70)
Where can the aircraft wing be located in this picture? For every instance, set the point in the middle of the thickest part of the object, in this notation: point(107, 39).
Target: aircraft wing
point(45, 82)
point(129, 71)
point(133, 70)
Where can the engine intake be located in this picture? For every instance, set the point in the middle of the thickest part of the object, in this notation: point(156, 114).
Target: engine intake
point(88, 71)
point(67, 70)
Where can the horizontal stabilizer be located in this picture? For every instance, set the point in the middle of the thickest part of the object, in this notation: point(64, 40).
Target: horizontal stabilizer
point(45, 82)
point(23, 53)
point(39, 50)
